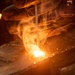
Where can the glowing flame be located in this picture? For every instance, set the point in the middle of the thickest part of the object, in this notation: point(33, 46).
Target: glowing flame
point(0, 15)
point(29, 37)
point(37, 52)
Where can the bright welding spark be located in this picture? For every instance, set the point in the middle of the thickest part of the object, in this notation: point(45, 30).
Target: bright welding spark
point(37, 52)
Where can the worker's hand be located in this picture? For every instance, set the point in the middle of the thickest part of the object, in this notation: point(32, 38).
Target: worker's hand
point(12, 13)
point(20, 10)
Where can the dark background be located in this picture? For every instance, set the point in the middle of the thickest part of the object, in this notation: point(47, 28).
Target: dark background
point(5, 37)
point(4, 3)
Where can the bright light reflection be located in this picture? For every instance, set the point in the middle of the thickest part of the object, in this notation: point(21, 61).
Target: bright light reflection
point(0, 15)
point(37, 52)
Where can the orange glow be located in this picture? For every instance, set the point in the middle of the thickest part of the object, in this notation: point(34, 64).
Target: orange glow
point(0, 15)
point(29, 38)
point(37, 52)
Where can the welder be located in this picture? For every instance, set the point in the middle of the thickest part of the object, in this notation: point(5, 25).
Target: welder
point(59, 15)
